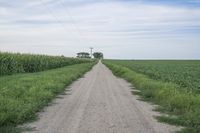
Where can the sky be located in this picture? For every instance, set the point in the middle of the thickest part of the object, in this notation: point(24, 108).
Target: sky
point(121, 29)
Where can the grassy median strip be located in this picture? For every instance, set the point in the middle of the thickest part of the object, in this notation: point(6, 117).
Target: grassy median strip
point(22, 95)
point(183, 107)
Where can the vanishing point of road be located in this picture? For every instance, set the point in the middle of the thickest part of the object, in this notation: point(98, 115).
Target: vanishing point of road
point(99, 103)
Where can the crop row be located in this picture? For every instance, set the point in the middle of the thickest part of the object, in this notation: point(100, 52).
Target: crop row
point(186, 74)
point(19, 63)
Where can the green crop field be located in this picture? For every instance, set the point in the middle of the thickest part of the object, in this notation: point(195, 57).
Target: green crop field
point(22, 94)
point(184, 73)
point(19, 63)
point(174, 85)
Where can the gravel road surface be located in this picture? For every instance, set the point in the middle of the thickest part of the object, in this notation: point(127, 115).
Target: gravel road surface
point(99, 103)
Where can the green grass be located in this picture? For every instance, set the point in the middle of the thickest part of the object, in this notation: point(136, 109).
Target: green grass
point(12, 129)
point(182, 106)
point(22, 95)
point(11, 63)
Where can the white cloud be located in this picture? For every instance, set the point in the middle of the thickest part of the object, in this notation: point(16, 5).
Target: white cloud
point(105, 25)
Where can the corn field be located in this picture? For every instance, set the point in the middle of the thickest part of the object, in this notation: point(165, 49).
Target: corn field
point(20, 63)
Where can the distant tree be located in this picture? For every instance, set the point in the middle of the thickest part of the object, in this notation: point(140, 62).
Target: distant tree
point(83, 55)
point(98, 55)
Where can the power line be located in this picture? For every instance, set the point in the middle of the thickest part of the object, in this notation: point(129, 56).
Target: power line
point(56, 18)
point(72, 20)
point(75, 23)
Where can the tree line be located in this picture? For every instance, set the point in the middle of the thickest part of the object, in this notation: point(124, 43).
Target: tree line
point(96, 55)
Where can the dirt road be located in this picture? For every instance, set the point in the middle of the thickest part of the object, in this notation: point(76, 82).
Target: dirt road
point(99, 103)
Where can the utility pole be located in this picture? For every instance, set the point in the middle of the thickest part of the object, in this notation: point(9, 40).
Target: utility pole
point(91, 48)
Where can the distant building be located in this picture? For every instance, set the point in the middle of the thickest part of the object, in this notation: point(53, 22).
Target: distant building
point(83, 55)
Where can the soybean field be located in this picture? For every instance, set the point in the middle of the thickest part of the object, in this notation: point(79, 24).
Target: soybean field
point(182, 72)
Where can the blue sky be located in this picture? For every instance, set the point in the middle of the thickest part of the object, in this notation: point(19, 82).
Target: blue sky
point(124, 29)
